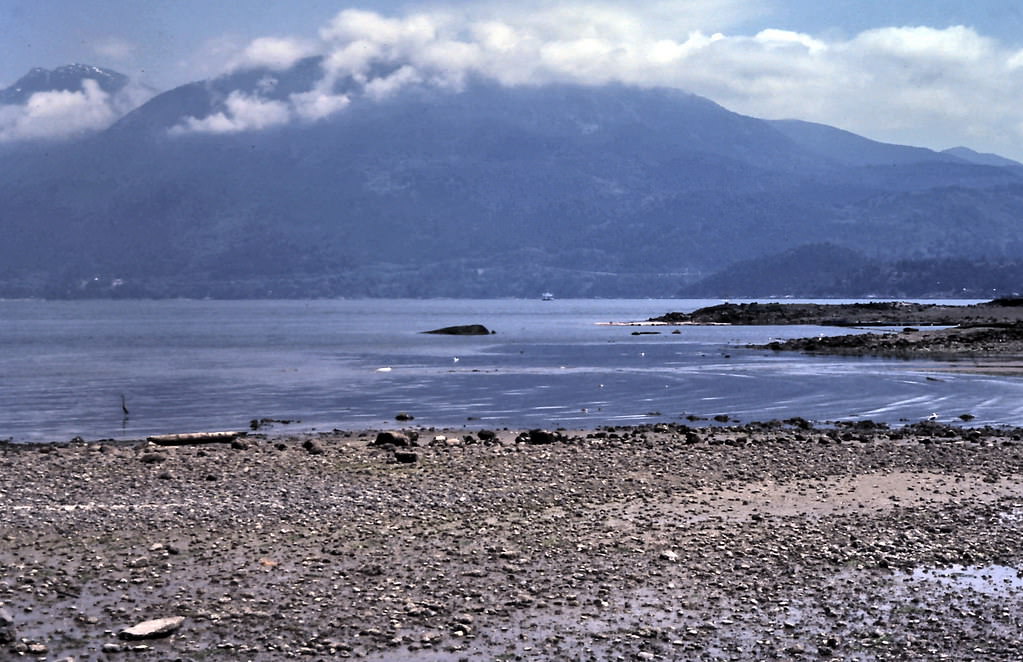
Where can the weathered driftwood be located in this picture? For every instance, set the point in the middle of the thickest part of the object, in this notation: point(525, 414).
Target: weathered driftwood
point(190, 438)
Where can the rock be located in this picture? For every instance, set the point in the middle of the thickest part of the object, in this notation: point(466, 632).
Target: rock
point(406, 457)
point(152, 458)
point(154, 629)
point(391, 439)
point(463, 330)
point(313, 447)
point(486, 435)
point(7, 634)
point(403, 416)
point(541, 437)
point(669, 556)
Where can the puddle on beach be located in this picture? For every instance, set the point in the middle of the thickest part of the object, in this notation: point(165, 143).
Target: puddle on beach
point(989, 579)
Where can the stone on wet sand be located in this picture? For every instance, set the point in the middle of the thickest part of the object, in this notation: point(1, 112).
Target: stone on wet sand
point(153, 629)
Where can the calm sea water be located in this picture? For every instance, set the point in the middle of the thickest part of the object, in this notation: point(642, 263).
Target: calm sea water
point(187, 366)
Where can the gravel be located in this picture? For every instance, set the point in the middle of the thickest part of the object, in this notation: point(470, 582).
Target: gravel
point(658, 542)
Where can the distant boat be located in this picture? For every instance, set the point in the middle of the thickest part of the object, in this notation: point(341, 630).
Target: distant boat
point(547, 296)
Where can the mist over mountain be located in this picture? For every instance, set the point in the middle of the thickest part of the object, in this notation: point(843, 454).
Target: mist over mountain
point(289, 182)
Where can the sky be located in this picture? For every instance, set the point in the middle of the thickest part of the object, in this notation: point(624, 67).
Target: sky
point(934, 73)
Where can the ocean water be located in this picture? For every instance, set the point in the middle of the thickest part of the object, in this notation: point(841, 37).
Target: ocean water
point(185, 366)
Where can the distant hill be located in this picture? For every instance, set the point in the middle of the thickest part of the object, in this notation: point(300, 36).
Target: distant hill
point(825, 271)
point(485, 190)
point(967, 154)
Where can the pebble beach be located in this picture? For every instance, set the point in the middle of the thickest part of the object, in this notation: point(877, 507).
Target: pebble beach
point(775, 540)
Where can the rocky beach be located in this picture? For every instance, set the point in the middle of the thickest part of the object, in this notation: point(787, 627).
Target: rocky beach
point(983, 338)
point(779, 540)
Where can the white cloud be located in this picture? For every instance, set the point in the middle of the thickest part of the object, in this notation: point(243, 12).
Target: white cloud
point(242, 113)
point(381, 88)
point(915, 84)
point(953, 43)
point(58, 114)
point(274, 53)
point(115, 48)
point(316, 105)
point(245, 112)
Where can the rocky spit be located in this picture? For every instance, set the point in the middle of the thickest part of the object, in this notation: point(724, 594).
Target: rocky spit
point(990, 349)
point(658, 542)
point(1007, 311)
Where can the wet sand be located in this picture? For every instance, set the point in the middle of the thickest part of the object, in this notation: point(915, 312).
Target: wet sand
point(645, 543)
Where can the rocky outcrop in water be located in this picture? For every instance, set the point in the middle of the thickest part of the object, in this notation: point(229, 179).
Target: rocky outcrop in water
point(463, 330)
point(878, 313)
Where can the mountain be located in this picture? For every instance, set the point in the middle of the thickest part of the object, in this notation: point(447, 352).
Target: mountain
point(850, 149)
point(826, 271)
point(68, 78)
point(480, 190)
point(967, 154)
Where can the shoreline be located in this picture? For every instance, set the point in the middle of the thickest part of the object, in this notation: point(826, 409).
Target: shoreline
point(659, 541)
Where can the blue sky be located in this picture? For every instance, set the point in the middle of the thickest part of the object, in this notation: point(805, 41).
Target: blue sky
point(936, 73)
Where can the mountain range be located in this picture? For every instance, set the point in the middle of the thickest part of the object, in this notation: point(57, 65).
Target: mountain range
point(244, 186)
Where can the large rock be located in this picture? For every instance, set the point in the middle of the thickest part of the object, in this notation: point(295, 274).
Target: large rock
point(396, 439)
point(542, 437)
point(6, 627)
point(154, 629)
point(463, 330)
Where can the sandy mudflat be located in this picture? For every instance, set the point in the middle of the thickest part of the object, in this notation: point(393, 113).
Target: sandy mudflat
point(648, 543)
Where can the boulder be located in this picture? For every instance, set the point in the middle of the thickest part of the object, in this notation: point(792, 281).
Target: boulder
point(313, 447)
point(391, 439)
point(463, 330)
point(154, 629)
point(542, 437)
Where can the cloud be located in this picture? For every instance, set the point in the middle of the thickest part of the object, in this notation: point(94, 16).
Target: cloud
point(242, 113)
point(115, 48)
point(245, 112)
point(934, 86)
point(274, 53)
point(58, 114)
